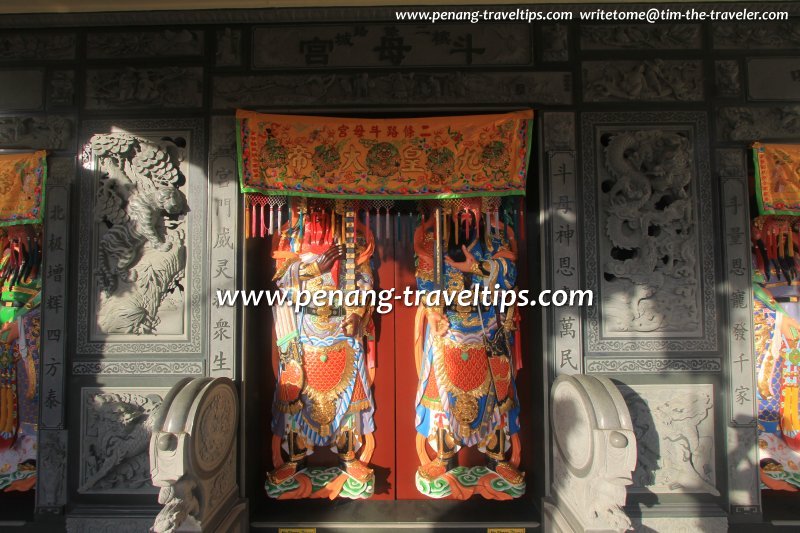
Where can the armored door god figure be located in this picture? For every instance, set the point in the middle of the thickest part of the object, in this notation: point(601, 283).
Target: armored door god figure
point(20, 324)
point(323, 394)
point(465, 359)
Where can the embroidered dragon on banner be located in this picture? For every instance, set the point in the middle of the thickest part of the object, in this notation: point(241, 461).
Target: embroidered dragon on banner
point(140, 209)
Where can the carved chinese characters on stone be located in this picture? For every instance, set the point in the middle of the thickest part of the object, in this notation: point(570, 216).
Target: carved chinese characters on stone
point(379, 45)
point(649, 80)
point(115, 437)
point(232, 92)
point(674, 428)
point(141, 254)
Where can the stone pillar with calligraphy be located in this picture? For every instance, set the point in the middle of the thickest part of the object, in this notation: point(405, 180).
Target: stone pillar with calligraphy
point(223, 214)
point(52, 477)
point(563, 270)
point(743, 484)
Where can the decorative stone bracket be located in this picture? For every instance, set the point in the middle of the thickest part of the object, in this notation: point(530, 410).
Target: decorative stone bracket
point(594, 453)
point(193, 458)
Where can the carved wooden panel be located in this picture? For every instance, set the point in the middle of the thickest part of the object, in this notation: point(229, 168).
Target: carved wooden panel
point(756, 36)
point(641, 37)
point(727, 79)
point(28, 46)
point(52, 132)
point(674, 426)
point(452, 87)
point(654, 80)
point(229, 47)
point(142, 238)
point(392, 46)
point(115, 438)
point(649, 245)
point(747, 124)
point(61, 89)
point(158, 43)
point(137, 88)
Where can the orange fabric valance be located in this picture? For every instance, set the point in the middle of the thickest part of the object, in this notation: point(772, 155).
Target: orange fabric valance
point(404, 158)
point(22, 181)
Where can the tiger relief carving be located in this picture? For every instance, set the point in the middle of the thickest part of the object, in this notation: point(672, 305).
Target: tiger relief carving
point(140, 214)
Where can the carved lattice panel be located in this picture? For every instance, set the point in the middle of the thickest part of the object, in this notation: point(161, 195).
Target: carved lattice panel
point(649, 243)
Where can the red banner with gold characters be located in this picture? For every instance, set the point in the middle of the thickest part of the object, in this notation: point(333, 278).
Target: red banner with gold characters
point(22, 180)
point(777, 178)
point(403, 158)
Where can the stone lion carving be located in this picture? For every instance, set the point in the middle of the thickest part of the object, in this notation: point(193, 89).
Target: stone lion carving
point(651, 268)
point(117, 437)
point(141, 255)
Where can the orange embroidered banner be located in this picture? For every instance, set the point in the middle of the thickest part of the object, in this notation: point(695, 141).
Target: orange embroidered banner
point(404, 158)
point(22, 180)
point(777, 178)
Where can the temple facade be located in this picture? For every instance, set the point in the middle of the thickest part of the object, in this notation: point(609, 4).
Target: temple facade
point(638, 185)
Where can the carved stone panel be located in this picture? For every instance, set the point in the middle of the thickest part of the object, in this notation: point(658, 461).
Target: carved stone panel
point(51, 473)
point(116, 425)
point(229, 47)
point(653, 80)
point(727, 79)
point(142, 238)
point(773, 78)
point(559, 131)
point(61, 89)
point(136, 88)
point(148, 44)
point(674, 426)
point(392, 46)
point(648, 233)
point(29, 46)
point(756, 35)
point(51, 132)
point(231, 92)
point(748, 124)
point(555, 43)
point(22, 90)
point(641, 36)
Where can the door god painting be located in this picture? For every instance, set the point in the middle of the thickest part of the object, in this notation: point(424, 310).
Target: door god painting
point(465, 355)
point(323, 394)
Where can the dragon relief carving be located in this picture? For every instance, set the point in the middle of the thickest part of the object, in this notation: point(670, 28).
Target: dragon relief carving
point(116, 440)
point(140, 209)
point(650, 271)
point(674, 433)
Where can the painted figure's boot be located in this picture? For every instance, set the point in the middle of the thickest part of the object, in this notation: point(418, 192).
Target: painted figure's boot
point(446, 458)
point(349, 463)
point(296, 463)
point(496, 458)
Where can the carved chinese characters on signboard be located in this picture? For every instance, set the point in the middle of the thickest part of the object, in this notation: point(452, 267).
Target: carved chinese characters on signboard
point(141, 257)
